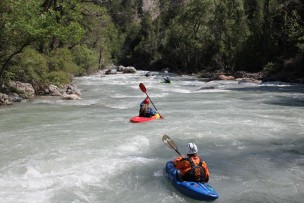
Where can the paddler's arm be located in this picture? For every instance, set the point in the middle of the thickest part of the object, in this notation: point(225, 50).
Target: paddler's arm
point(178, 162)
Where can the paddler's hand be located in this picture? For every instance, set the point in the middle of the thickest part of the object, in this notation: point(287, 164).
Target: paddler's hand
point(178, 159)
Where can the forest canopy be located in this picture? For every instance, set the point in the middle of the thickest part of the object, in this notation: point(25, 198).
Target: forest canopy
point(50, 41)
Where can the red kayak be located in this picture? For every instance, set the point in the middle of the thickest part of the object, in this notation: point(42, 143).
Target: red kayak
point(139, 119)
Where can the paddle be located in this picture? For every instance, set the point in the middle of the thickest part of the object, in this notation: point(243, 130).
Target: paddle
point(170, 143)
point(143, 88)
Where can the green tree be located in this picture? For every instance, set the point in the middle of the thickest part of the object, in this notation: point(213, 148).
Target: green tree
point(33, 22)
point(18, 29)
point(30, 66)
point(101, 36)
point(276, 28)
point(189, 39)
point(62, 23)
point(230, 30)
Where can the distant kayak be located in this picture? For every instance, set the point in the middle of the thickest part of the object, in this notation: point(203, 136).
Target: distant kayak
point(139, 119)
point(199, 191)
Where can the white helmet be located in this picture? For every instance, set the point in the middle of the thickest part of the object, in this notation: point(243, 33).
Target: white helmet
point(191, 148)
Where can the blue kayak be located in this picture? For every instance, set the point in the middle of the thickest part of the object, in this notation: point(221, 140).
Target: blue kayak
point(199, 191)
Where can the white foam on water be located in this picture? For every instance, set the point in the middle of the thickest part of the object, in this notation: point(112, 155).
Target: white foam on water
point(135, 145)
point(301, 122)
point(120, 105)
point(158, 173)
point(278, 84)
point(212, 90)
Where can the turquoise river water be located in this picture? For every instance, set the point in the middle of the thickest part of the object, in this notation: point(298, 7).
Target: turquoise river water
point(87, 151)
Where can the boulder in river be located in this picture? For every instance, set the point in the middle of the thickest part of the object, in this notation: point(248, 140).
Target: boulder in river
point(5, 100)
point(66, 96)
point(25, 90)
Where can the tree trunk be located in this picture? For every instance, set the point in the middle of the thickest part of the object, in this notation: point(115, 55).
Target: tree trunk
point(5, 66)
point(266, 31)
point(100, 59)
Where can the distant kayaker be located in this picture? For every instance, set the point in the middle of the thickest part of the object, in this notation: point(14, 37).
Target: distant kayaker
point(167, 79)
point(192, 168)
point(145, 110)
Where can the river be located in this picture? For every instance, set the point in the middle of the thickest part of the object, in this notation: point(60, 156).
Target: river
point(251, 136)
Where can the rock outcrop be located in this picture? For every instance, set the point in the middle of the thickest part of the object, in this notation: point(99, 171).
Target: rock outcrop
point(25, 90)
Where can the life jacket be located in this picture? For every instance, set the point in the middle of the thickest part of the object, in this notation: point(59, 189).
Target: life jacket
point(146, 111)
point(198, 172)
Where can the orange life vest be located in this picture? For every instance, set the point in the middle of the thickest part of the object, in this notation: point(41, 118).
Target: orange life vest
point(192, 168)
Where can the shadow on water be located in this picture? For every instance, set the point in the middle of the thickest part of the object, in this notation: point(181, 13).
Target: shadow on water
point(271, 88)
point(284, 151)
point(294, 94)
point(280, 153)
point(287, 101)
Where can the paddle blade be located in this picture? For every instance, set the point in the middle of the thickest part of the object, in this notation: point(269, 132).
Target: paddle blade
point(142, 87)
point(169, 142)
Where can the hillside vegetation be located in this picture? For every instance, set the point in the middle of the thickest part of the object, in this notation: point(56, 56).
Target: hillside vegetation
point(49, 41)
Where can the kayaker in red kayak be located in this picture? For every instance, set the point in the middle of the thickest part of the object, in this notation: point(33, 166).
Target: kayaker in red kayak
point(145, 110)
point(192, 168)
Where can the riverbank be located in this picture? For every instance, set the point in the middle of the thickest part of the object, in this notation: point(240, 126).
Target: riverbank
point(255, 77)
point(17, 91)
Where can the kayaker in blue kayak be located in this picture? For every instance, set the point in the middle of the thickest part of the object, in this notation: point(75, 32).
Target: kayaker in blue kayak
point(145, 110)
point(191, 168)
